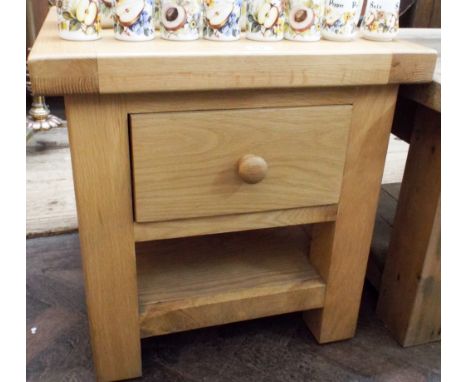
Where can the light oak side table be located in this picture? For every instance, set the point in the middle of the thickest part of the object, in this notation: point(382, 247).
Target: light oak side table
point(176, 141)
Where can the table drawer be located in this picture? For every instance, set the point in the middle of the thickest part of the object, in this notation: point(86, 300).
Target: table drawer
point(188, 164)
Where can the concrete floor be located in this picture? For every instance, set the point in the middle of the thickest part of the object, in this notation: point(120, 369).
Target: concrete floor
point(271, 349)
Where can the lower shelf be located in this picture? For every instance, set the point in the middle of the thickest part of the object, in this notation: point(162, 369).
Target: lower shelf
point(210, 280)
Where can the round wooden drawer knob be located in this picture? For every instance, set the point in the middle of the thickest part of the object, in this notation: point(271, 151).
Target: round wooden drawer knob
point(252, 168)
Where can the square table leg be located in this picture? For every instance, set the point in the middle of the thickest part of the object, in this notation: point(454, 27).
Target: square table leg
point(98, 133)
point(409, 301)
point(340, 249)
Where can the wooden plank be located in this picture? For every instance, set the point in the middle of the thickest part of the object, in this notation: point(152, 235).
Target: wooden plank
point(50, 199)
point(57, 71)
point(210, 280)
point(238, 99)
point(339, 250)
point(101, 170)
point(410, 292)
point(185, 164)
point(411, 69)
point(428, 95)
point(230, 223)
point(283, 65)
point(50, 202)
point(110, 66)
point(211, 66)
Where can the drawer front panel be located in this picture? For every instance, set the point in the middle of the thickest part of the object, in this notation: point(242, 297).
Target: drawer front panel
point(186, 164)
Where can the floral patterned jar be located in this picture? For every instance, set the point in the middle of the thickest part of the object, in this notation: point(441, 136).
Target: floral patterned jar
point(340, 19)
point(381, 20)
point(78, 19)
point(181, 19)
point(106, 10)
point(265, 20)
point(303, 20)
point(134, 20)
point(222, 20)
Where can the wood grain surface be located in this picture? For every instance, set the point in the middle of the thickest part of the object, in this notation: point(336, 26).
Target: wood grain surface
point(210, 280)
point(429, 94)
point(276, 348)
point(231, 223)
point(410, 289)
point(51, 212)
point(101, 171)
point(238, 99)
point(185, 164)
point(110, 66)
point(339, 250)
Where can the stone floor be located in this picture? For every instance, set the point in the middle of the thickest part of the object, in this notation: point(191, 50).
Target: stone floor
point(271, 349)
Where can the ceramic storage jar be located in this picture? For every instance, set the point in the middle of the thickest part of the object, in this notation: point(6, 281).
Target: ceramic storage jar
point(78, 20)
point(303, 20)
point(181, 19)
point(265, 20)
point(381, 20)
point(340, 19)
point(222, 20)
point(134, 20)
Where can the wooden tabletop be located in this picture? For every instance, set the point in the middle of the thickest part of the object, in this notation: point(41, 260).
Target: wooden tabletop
point(109, 66)
point(425, 94)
